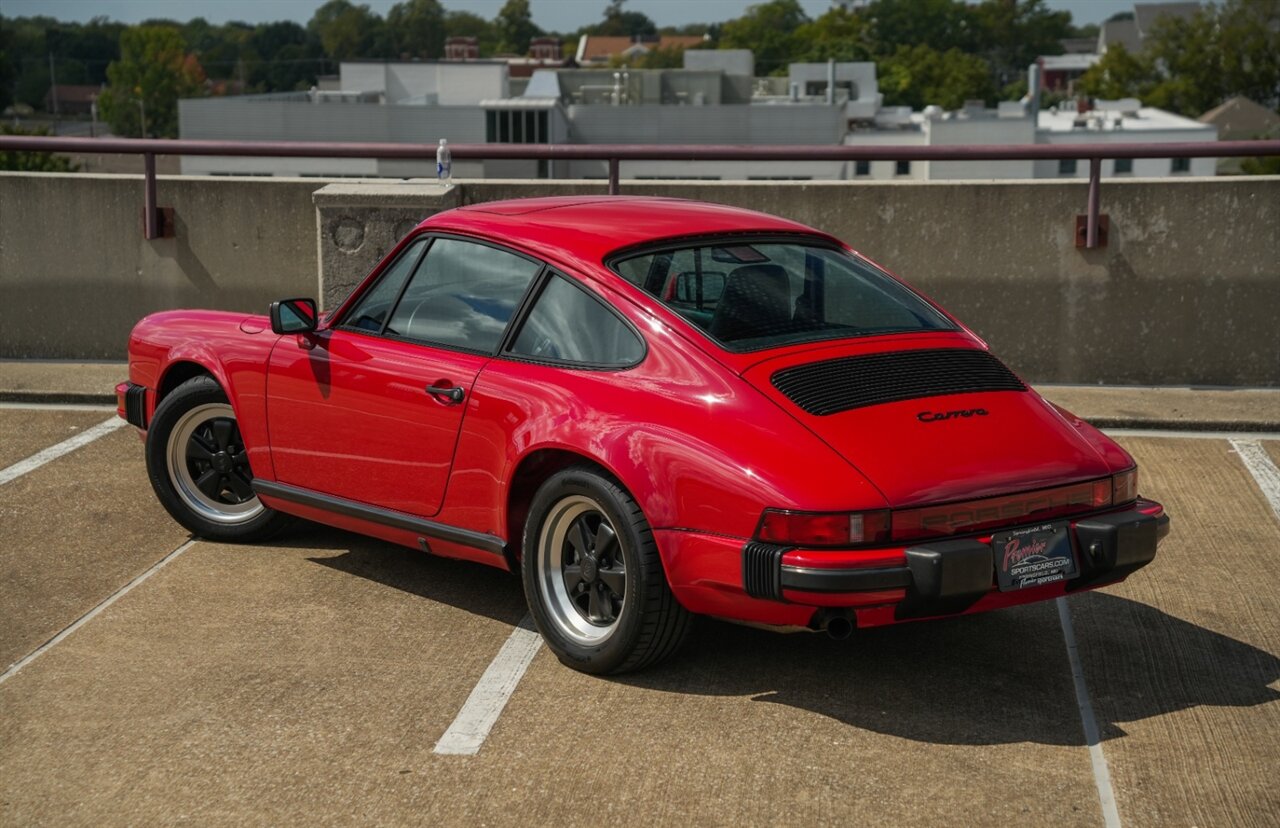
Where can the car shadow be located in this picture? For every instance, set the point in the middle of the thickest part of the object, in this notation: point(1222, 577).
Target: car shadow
point(995, 678)
point(474, 588)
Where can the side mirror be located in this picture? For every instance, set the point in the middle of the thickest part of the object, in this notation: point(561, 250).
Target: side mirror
point(293, 316)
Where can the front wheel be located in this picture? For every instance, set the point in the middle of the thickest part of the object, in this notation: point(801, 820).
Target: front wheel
point(199, 468)
point(593, 577)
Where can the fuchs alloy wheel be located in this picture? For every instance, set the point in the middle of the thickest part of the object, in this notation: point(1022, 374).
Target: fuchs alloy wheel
point(593, 577)
point(199, 468)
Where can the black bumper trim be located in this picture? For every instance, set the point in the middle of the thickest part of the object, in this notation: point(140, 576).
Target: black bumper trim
point(810, 579)
point(947, 577)
point(135, 406)
point(1112, 547)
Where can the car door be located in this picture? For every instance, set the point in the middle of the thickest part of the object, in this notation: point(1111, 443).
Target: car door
point(370, 408)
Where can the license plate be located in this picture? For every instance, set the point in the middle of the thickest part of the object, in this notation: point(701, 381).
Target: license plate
point(1033, 556)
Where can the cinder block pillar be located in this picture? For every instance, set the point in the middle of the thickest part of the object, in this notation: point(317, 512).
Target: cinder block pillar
point(358, 224)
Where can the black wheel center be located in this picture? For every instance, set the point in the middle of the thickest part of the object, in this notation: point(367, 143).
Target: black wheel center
point(590, 569)
point(221, 462)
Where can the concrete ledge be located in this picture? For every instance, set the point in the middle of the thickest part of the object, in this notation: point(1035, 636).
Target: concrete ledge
point(357, 224)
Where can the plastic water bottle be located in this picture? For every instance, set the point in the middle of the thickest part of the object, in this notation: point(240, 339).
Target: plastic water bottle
point(444, 163)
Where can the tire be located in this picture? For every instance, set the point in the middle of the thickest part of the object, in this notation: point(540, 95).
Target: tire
point(593, 578)
point(199, 470)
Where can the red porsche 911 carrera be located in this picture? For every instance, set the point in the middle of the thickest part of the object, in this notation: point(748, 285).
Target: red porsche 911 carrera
point(651, 409)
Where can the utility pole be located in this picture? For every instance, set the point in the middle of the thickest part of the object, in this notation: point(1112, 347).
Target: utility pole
point(53, 92)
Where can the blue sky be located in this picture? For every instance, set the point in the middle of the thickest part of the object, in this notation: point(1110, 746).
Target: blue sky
point(555, 15)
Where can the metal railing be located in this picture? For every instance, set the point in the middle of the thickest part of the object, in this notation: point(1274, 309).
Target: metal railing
point(614, 154)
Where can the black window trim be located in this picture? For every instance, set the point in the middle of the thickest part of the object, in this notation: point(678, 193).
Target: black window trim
point(521, 315)
point(432, 236)
point(673, 244)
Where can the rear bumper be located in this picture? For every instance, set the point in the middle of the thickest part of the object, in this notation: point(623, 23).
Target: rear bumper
point(938, 578)
point(131, 404)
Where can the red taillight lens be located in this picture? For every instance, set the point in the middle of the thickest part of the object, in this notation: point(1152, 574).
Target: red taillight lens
point(822, 528)
point(1125, 486)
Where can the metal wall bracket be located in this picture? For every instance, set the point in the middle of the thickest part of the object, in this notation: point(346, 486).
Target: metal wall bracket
point(1082, 230)
point(163, 227)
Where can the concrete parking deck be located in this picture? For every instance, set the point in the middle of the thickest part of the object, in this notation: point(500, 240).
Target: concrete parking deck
point(309, 679)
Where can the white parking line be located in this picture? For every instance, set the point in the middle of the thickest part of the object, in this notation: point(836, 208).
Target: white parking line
point(24, 406)
point(1101, 774)
point(1264, 471)
point(70, 444)
point(481, 710)
point(1192, 435)
point(93, 613)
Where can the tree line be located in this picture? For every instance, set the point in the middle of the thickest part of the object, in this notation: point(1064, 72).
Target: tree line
point(927, 51)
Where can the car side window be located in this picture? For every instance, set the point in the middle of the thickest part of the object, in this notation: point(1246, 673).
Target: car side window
point(463, 295)
point(371, 312)
point(568, 324)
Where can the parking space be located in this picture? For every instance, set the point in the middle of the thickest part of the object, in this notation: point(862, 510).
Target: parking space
point(309, 679)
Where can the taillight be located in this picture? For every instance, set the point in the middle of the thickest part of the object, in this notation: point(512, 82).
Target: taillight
point(1124, 486)
point(822, 528)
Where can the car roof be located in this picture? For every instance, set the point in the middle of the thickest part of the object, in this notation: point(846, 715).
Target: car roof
point(589, 228)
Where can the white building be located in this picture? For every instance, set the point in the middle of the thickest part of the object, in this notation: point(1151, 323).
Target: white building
point(713, 100)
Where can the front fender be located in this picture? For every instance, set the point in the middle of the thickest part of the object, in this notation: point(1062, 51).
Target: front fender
point(232, 348)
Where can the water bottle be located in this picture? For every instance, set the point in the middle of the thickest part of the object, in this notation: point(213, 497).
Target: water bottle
point(444, 163)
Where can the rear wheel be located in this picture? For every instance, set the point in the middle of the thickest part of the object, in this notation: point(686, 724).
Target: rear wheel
point(593, 577)
point(199, 468)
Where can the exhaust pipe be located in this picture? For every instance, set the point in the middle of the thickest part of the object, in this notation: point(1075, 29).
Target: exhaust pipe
point(836, 623)
point(839, 627)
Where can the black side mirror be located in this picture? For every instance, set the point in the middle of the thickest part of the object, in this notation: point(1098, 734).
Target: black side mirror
point(293, 316)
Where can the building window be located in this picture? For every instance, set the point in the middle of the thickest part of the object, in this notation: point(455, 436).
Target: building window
point(515, 126)
point(1179, 165)
point(1124, 165)
point(862, 168)
point(902, 168)
point(1067, 166)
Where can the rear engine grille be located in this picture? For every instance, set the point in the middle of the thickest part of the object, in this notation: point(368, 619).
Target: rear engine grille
point(762, 570)
point(843, 384)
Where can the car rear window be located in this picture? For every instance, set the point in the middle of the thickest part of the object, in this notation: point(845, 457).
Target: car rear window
point(753, 295)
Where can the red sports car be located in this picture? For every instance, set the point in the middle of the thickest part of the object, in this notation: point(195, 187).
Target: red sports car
point(651, 409)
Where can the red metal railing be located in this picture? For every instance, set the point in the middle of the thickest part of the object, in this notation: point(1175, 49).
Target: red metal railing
point(149, 148)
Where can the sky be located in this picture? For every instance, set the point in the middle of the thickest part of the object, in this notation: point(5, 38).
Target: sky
point(552, 15)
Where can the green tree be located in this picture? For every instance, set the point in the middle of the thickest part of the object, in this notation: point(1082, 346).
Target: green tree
point(837, 35)
point(1267, 165)
point(918, 76)
point(1119, 74)
point(769, 30)
point(7, 71)
point(347, 31)
point(940, 24)
point(1013, 33)
point(467, 24)
point(1191, 65)
point(619, 22)
point(1249, 38)
point(23, 161)
point(154, 70)
point(415, 28)
point(515, 27)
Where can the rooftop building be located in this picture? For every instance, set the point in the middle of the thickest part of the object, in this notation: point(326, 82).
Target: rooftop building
point(714, 99)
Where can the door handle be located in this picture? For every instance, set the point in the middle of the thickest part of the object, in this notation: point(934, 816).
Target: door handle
point(450, 394)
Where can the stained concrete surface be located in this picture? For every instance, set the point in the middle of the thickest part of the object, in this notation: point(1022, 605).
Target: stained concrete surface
point(1182, 659)
point(74, 531)
point(307, 680)
point(22, 435)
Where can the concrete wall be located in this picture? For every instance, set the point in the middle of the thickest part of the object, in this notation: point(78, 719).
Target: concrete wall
point(1187, 291)
point(76, 273)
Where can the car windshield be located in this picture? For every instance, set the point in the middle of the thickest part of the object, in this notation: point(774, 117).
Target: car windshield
point(753, 295)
